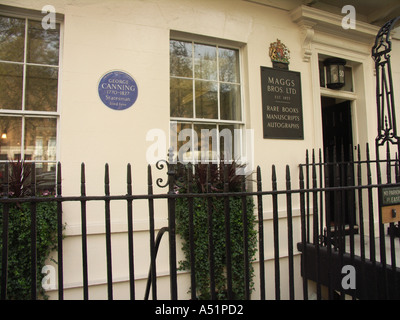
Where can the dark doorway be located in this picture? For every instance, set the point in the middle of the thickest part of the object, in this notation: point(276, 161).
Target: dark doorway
point(338, 152)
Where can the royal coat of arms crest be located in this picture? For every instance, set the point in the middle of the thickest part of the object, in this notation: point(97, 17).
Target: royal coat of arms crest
point(279, 52)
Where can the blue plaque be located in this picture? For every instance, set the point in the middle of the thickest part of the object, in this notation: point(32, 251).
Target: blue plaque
point(118, 90)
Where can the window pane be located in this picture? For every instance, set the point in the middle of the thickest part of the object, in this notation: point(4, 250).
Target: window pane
point(10, 138)
point(228, 65)
point(230, 102)
point(11, 86)
point(40, 139)
point(206, 100)
point(228, 150)
point(205, 62)
point(45, 178)
point(41, 88)
point(207, 149)
point(181, 98)
point(43, 45)
point(12, 39)
point(181, 58)
point(181, 140)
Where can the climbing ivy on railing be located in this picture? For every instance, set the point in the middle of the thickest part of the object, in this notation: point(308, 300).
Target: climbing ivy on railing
point(19, 234)
point(201, 233)
point(19, 246)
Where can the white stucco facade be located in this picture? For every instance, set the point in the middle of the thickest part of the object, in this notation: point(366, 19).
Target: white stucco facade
point(134, 36)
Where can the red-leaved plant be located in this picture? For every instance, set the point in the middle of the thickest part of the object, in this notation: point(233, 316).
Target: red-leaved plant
point(19, 175)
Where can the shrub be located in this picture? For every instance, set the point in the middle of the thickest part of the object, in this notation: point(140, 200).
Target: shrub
point(19, 246)
point(201, 233)
point(19, 235)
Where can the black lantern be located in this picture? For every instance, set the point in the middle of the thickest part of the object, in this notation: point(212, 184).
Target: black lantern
point(335, 78)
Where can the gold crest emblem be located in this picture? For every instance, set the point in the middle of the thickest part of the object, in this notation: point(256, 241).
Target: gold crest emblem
point(279, 52)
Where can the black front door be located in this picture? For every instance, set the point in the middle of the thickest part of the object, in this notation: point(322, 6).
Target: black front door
point(338, 150)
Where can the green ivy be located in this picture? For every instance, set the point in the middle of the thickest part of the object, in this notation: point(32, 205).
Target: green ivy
point(201, 235)
point(19, 246)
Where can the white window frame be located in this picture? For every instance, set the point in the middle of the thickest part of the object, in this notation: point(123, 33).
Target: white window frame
point(28, 14)
point(195, 39)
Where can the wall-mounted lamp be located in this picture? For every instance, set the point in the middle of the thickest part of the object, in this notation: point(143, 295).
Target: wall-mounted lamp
point(335, 78)
point(4, 135)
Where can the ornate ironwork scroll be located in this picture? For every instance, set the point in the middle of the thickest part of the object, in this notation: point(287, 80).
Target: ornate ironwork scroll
point(387, 130)
point(171, 170)
point(175, 178)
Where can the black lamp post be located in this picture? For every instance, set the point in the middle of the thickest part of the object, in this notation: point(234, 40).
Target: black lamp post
point(335, 78)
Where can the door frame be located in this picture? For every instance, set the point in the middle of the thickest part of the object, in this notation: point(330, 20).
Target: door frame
point(363, 98)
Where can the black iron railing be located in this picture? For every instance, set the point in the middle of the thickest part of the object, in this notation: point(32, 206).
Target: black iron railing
point(347, 226)
point(328, 240)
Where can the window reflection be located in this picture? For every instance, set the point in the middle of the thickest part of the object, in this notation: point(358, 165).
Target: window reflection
point(181, 140)
point(206, 100)
point(207, 145)
point(10, 138)
point(215, 73)
point(228, 65)
point(205, 62)
point(45, 177)
point(230, 102)
point(40, 139)
point(181, 58)
point(41, 88)
point(11, 83)
point(42, 49)
point(12, 39)
point(181, 98)
point(43, 45)
point(229, 142)
point(29, 57)
point(206, 79)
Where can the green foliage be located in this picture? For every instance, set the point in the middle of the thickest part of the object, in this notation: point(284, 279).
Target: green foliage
point(19, 246)
point(201, 234)
point(19, 234)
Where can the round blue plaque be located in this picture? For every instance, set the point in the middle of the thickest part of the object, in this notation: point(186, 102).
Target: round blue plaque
point(118, 90)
